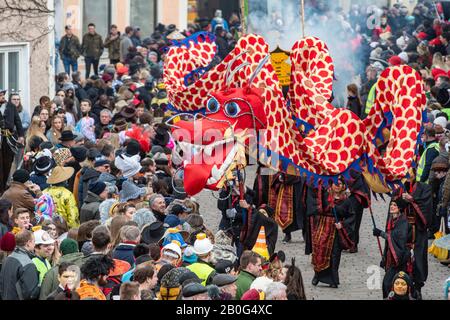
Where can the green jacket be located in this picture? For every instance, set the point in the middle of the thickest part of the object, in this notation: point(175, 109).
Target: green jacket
point(50, 282)
point(113, 47)
point(92, 46)
point(70, 47)
point(243, 283)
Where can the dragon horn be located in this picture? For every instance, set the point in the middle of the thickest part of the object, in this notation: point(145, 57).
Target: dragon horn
point(231, 75)
point(258, 69)
point(230, 64)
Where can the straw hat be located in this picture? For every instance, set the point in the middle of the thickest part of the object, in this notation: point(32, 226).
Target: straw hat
point(60, 174)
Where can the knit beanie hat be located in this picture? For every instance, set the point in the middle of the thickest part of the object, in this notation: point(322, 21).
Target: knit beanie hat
point(8, 242)
point(21, 176)
point(100, 161)
point(133, 148)
point(97, 187)
point(68, 246)
point(79, 153)
point(189, 255)
point(93, 153)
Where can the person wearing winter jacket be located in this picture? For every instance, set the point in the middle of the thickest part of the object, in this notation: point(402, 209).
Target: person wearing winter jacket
point(19, 278)
point(70, 254)
point(130, 236)
point(90, 208)
point(92, 49)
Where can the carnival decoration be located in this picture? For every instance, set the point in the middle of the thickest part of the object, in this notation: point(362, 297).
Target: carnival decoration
point(240, 101)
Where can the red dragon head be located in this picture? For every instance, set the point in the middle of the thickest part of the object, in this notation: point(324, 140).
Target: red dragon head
point(216, 142)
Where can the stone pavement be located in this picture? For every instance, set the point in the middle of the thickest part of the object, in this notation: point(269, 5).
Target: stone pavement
point(359, 273)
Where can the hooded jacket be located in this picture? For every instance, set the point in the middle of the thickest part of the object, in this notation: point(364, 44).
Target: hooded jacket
point(90, 208)
point(19, 278)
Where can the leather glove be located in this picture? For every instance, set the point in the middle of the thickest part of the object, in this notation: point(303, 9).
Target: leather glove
point(377, 232)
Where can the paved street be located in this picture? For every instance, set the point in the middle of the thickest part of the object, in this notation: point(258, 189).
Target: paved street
point(356, 270)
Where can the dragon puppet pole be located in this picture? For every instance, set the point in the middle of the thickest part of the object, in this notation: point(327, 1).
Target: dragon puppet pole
point(243, 18)
point(374, 225)
point(303, 17)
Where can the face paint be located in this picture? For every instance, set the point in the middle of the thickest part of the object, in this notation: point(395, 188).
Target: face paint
point(400, 287)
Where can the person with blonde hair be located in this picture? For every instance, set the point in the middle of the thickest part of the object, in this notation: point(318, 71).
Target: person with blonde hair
point(37, 128)
point(438, 62)
point(54, 133)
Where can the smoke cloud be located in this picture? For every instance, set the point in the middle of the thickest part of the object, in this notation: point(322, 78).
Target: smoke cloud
point(280, 23)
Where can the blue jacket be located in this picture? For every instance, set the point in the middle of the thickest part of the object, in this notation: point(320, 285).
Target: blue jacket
point(124, 251)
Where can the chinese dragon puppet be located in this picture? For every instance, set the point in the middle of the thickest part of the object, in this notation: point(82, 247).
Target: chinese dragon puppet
point(238, 103)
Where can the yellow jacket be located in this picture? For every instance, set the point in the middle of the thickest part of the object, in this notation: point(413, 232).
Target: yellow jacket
point(65, 204)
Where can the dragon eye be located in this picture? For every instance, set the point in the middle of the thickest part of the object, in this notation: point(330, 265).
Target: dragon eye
point(232, 109)
point(212, 105)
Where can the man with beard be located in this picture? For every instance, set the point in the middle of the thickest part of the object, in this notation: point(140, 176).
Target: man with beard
point(95, 272)
point(11, 127)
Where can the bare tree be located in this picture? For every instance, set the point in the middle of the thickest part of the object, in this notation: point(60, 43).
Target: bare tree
point(25, 21)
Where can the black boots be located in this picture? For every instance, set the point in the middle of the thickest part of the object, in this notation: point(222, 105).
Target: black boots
point(287, 238)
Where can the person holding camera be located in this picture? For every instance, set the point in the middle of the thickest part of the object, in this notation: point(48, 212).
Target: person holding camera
point(112, 42)
point(12, 136)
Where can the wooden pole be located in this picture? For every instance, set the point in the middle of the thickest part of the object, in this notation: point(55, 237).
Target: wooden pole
point(243, 18)
point(303, 17)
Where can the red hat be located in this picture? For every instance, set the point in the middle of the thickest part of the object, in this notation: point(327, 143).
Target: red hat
point(132, 87)
point(122, 70)
point(107, 77)
point(422, 36)
point(251, 294)
point(8, 242)
point(437, 72)
point(435, 42)
point(395, 61)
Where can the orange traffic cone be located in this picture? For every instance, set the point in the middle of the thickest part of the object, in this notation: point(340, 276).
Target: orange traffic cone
point(260, 246)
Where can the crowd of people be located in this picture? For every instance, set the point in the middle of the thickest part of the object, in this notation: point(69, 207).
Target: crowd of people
point(93, 207)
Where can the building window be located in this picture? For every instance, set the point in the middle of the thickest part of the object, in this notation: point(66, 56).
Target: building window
point(14, 68)
point(142, 14)
point(97, 12)
point(9, 69)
